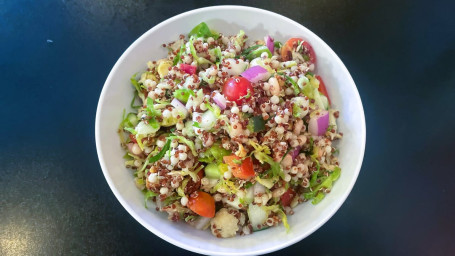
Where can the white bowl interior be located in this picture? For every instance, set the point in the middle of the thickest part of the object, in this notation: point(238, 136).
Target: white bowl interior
point(257, 23)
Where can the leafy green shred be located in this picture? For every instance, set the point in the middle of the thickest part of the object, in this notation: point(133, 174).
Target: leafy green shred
point(202, 30)
point(151, 111)
point(277, 44)
point(131, 130)
point(190, 218)
point(161, 153)
point(268, 183)
point(199, 60)
point(214, 108)
point(292, 82)
point(188, 142)
point(261, 154)
point(177, 58)
point(257, 52)
point(133, 100)
point(248, 185)
point(136, 84)
point(228, 185)
point(183, 94)
point(214, 154)
point(239, 39)
point(219, 56)
point(249, 50)
point(326, 183)
point(278, 210)
point(171, 199)
point(147, 195)
point(208, 80)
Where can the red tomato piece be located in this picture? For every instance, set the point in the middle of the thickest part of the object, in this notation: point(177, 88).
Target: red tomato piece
point(287, 197)
point(237, 88)
point(322, 88)
point(291, 45)
point(202, 204)
point(242, 169)
point(189, 69)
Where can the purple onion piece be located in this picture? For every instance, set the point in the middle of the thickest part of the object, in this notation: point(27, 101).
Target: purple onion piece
point(220, 101)
point(255, 74)
point(269, 42)
point(318, 124)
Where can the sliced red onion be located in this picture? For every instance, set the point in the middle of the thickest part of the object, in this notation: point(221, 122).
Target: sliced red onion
point(255, 74)
point(269, 42)
point(319, 123)
point(295, 152)
point(189, 69)
point(179, 106)
point(220, 100)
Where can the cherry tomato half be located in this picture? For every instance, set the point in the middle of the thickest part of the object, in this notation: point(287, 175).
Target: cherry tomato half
point(292, 44)
point(202, 204)
point(242, 169)
point(237, 89)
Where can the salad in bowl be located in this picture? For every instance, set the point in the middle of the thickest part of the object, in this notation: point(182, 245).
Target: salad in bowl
point(231, 133)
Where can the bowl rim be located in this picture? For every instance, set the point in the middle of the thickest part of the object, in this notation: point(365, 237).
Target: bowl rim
point(174, 241)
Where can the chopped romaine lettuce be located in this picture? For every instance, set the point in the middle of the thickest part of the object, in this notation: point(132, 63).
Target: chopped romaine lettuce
point(202, 30)
point(326, 183)
point(212, 171)
point(149, 194)
point(183, 94)
point(199, 60)
point(214, 154)
point(177, 57)
point(188, 142)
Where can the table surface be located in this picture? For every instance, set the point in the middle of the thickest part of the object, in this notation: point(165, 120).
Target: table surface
point(56, 55)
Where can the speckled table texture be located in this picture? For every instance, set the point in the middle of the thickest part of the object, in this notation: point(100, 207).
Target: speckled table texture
point(56, 55)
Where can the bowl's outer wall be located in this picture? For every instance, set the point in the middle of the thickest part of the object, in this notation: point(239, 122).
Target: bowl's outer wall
point(117, 94)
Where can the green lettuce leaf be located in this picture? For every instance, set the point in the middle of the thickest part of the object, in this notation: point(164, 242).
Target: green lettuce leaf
point(202, 30)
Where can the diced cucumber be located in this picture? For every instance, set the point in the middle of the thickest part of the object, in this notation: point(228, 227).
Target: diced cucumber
point(212, 171)
point(132, 119)
point(249, 197)
point(257, 216)
point(145, 129)
point(208, 120)
point(235, 203)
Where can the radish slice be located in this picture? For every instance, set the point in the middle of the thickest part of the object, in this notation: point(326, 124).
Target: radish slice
point(189, 69)
point(220, 100)
point(319, 123)
point(255, 74)
point(269, 43)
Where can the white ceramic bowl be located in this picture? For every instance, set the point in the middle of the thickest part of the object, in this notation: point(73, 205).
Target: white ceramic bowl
point(117, 93)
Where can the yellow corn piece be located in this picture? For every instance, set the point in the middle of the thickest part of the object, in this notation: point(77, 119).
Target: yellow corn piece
point(163, 68)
